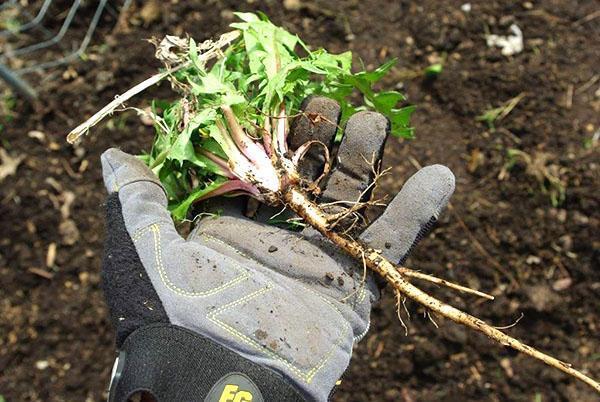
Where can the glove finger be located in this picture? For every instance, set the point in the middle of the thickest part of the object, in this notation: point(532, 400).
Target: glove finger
point(142, 196)
point(360, 150)
point(318, 121)
point(412, 213)
point(149, 203)
point(126, 283)
point(175, 267)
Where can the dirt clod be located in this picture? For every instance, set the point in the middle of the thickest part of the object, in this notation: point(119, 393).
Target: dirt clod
point(260, 334)
point(543, 298)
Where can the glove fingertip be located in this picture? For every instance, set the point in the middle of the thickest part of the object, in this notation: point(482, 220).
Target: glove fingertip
point(120, 168)
point(441, 183)
point(412, 212)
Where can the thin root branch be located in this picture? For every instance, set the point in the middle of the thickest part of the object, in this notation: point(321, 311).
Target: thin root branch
point(301, 152)
point(409, 273)
point(513, 324)
point(400, 300)
point(435, 324)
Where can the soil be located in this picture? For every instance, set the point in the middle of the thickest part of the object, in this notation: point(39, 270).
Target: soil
point(502, 235)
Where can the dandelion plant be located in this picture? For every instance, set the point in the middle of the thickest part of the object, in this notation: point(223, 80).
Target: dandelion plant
point(226, 134)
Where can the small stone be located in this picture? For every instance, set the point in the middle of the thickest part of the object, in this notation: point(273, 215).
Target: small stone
point(53, 146)
point(388, 245)
point(227, 15)
point(340, 281)
point(505, 364)
point(580, 218)
point(150, 12)
point(260, 334)
point(79, 151)
point(272, 249)
point(69, 74)
point(69, 232)
point(565, 242)
point(533, 260)
point(466, 7)
point(542, 298)
point(42, 364)
point(38, 135)
point(51, 255)
point(559, 214)
point(329, 276)
point(562, 284)
point(84, 278)
point(292, 5)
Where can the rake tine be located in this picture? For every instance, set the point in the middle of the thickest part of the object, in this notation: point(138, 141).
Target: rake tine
point(17, 84)
point(77, 53)
point(52, 41)
point(31, 24)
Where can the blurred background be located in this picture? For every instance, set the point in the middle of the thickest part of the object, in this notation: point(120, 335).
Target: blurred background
point(507, 95)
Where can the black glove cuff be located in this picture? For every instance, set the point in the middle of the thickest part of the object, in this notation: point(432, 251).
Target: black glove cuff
point(176, 364)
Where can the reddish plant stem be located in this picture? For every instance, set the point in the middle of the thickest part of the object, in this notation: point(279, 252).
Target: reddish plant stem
point(221, 163)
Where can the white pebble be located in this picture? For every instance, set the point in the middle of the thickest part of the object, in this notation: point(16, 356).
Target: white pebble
point(510, 44)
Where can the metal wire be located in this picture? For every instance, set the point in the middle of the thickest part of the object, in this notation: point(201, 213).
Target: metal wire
point(13, 77)
point(54, 40)
point(34, 22)
point(19, 85)
point(8, 4)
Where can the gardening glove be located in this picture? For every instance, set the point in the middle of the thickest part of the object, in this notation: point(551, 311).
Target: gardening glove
point(241, 310)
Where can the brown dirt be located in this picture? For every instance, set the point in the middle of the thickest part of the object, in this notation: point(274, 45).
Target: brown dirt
point(59, 319)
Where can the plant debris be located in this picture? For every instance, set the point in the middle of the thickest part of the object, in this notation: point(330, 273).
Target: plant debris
point(9, 164)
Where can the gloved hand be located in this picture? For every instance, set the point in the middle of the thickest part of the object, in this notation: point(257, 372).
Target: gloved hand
point(241, 310)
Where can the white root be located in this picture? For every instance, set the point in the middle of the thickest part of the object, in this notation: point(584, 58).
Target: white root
point(314, 216)
point(409, 273)
point(303, 149)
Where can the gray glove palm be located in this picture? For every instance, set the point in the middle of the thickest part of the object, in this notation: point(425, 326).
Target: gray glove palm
point(284, 300)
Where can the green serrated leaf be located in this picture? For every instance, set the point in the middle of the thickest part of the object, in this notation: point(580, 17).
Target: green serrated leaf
point(264, 67)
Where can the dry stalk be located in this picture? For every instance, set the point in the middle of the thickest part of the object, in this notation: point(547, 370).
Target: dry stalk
point(209, 54)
